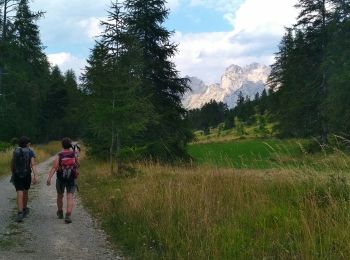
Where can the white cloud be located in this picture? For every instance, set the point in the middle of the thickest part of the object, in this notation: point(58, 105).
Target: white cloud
point(227, 7)
point(69, 29)
point(268, 16)
point(91, 26)
point(222, 5)
point(67, 61)
point(206, 55)
point(258, 28)
point(173, 4)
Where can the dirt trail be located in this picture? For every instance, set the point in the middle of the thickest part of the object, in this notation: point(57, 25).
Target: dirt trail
point(42, 235)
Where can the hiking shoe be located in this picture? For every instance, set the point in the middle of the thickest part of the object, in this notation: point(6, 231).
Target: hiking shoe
point(60, 214)
point(67, 219)
point(25, 212)
point(19, 217)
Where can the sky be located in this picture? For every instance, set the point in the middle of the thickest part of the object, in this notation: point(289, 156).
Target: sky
point(211, 34)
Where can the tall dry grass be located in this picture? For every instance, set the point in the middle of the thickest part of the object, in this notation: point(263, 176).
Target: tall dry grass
point(42, 152)
point(168, 212)
point(5, 158)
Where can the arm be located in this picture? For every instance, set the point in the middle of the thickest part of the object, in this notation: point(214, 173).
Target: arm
point(12, 166)
point(52, 171)
point(77, 162)
point(35, 172)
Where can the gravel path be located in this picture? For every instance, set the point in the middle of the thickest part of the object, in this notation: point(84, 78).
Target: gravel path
point(42, 235)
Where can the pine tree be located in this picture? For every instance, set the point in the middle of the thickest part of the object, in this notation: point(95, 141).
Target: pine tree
point(339, 68)
point(111, 81)
point(239, 127)
point(73, 121)
point(167, 135)
point(6, 105)
point(314, 17)
point(54, 107)
point(301, 73)
point(27, 72)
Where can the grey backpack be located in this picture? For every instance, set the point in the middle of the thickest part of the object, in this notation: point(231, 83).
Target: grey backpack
point(21, 162)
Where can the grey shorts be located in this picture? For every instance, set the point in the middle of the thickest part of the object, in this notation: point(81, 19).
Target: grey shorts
point(69, 186)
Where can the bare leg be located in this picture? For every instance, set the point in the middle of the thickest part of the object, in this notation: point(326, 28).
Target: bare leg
point(25, 198)
point(60, 202)
point(70, 203)
point(20, 201)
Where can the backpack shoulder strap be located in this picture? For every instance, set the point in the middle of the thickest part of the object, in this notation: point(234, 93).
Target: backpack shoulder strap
point(60, 157)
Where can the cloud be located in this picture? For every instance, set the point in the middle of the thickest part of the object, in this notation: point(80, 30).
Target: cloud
point(227, 7)
point(66, 61)
point(206, 55)
point(69, 29)
point(268, 16)
point(91, 26)
point(173, 4)
point(257, 29)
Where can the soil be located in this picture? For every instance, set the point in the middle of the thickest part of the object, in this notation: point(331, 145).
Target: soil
point(42, 235)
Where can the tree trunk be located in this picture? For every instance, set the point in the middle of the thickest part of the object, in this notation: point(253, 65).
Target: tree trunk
point(323, 87)
point(4, 21)
point(111, 149)
point(117, 151)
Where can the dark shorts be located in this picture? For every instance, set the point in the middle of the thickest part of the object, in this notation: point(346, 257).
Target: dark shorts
point(22, 184)
point(62, 185)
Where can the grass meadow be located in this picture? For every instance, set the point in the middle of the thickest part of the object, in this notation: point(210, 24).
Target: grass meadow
point(42, 153)
point(250, 153)
point(297, 207)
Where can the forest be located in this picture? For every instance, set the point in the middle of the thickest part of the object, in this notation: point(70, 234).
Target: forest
point(128, 101)
point(309, 84)
point(267, 179)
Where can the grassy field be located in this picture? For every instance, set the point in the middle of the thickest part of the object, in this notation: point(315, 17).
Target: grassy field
point(42, 152)
point(228, 135)
point(250, 153)
point(206, 212)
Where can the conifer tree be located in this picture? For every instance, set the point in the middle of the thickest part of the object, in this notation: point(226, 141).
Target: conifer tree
point(339, 67)
point(166, 136)
point(27, 71)
point(300, 76)
point(73, 121)
point(111, 81)
point(54, 107)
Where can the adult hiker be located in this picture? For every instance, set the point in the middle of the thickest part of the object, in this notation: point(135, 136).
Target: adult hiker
point(65, 165)
point(22, 166)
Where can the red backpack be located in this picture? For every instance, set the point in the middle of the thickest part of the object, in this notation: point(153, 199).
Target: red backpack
point(68, 165)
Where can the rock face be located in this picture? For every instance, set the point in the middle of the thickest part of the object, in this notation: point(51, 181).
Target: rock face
point(249, 80)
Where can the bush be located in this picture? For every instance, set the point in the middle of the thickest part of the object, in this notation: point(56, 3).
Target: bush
point(4, 146)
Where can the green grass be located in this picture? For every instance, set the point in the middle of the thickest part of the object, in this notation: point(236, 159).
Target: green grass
point(163, 212)
point(5, 157)
point(4, 146)
point(250, 153)
point(241, 199)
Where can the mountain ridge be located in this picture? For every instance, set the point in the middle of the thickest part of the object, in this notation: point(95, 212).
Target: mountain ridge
point(248, 80)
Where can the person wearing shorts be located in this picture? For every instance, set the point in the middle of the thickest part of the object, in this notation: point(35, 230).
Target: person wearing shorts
point(22, 184)
point(62, 186)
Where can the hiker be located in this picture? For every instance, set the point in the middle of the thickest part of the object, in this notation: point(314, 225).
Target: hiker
point(22, 166)
point(65, 166)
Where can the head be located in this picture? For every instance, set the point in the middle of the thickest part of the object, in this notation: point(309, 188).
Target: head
point(24, 142)
point(66, 143)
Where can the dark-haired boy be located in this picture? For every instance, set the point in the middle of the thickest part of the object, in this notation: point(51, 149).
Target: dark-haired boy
point(22, 166)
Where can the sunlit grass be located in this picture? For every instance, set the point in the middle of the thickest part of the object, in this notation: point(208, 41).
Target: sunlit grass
point(251, 153)
point(297, 211)
point(42, 152)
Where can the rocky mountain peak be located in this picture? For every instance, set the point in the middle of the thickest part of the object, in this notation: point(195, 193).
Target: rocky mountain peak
point(249, 80)
point(234, 69)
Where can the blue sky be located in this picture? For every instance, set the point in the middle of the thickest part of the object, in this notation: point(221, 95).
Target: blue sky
point(212, 34)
